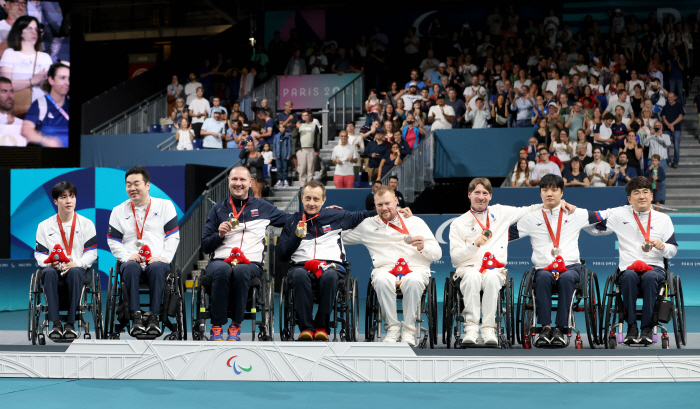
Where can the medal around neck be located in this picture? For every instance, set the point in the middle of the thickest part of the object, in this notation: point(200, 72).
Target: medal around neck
point(408, 239)
point(234, 222)
point(487, 233)
point(556, 251)
point(647, 246)
point(301, 230)
point(139, 243)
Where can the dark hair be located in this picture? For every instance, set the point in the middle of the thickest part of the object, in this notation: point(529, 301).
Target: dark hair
point(314, 184)
point(394, 177)
point(622, 153)
point(607, 116)
point(5, 80)
point(61, 187)
point(577, 160)
point(52, 74)
point(551, 180)
point(376, 181)
point(135, 170)
point(14, 38)
point(639, 182)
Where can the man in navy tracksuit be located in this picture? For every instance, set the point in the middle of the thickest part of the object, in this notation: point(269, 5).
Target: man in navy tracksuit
point(220, 237)
point(321, 242)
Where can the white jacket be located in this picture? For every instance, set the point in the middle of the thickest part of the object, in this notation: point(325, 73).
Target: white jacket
point(84, 251)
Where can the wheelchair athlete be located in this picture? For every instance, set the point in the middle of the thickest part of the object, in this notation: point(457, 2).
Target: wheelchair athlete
point(555, 254)
point(143, 220)
point(389, 237)
point(314, 235)
point(238, 221)
point(74, 235)
point(643, 235)
point(483, 229)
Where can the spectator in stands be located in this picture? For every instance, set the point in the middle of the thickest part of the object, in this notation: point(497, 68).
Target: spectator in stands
point(657, 95)
point(14, 10)
point(191, 89)
point(545, 167)
point(236, 113)
point(480, 116)
point(575, 176)
point(247, 81)
point(415, 80)
point(542, 133)
point(342, 63)
point(267, 131)
point(603, 134)
point(562, 147)
point(539, 110)
point(633, 149)
point(282, 152)
point(48, 115)
point(472, 92)
point(671, 115)
point(500, 112)
point(675, 79)
point(184, 136)
point(199, 107)
point(458, 106)
point(287, 117)
point(435, 77)
point(411, 132)
point(429, 64)
point(523, 105)
point(369, 200)
point(308, 145)
point(256, 106)
point(441, 116)
point(391, 159)
point(344, 156)
point(404, 147)
point(394, 184)
point(235, 136)
point(174, 90)
point(11, 127)
point(598, 170)
point(411, 96)
point(355, 140)
point(253, 160)
point(619, 129)
point(521, 176)
point(582, 140)
point(622, 173)
point(623, 102)
point(375, 151)
point(576, 119)
point(612, 161)
point(318, 63)
point(213, 131)
point(657, 176)
point(216, 104)
point(179, 112)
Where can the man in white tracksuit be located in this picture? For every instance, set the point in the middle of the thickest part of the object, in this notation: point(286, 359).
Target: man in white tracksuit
point(468, 244)
point(387, 238)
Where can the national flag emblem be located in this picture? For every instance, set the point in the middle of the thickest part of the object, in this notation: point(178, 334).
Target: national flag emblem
point(155, 213)
point(326, 228)
point(254, 212)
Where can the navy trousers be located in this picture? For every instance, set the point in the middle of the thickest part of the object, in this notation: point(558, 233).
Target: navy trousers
point(630, 283)
point(301, 280)
point(74, 282)
point(156, 273)
point(230, 285)
point(544, 287)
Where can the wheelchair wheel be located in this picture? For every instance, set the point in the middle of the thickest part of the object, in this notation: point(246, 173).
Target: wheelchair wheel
point(525, 309)
point(110, 313)
point(97, 304)
point(181, 319)
point(35, 309)
point(447, 313)
point(613, 314)
point(286, 312)
point(680, 310)
point(432, 313)
point(591, 308)
point(510, 321)
point(29, 309)
point(353, 312)
point(269, 310)
point(373, 323)
point(518, 308)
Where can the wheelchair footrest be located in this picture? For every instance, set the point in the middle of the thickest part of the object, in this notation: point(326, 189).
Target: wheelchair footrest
point(146, 337)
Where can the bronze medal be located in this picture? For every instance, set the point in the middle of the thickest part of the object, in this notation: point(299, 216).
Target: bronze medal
point(408, 239)
point(487, 233)
point(647, 246)
point(556, 251)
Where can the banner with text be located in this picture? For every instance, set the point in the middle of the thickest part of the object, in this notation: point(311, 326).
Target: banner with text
point(313, 91)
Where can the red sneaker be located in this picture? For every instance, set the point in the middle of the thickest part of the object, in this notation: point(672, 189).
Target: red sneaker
point(320, 335)
point(306, 336)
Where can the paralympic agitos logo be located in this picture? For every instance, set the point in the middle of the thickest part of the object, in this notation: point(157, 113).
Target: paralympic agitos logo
point(237, 371)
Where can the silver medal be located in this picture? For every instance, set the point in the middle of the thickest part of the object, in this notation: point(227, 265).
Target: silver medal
point(408, 239)
point(139, 243)
point(556, 251)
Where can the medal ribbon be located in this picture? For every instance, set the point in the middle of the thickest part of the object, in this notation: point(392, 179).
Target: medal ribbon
point(304, 220)
point(67, 246)
point(403, 228)
point(488, 222)
point(233, 208)
point(555, 240)
point(647, 233)
point(139, 234)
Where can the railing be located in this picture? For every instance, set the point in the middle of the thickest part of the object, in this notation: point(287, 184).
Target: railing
point(269, 89)
point(169, 144)
point(416, 171)
point(345, 105)
point(136, 119)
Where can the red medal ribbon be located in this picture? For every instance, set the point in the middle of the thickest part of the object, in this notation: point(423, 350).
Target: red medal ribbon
point(139, 234)
point(67, 246)
point(233, 208)
point(555, 240)
point(647, 233)
point(488, 222)
point(304, 220)
point(403, 228)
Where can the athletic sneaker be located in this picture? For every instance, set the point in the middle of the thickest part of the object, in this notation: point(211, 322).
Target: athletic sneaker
point(286, 184)
point(632, 334)
point(392, 335)
point(57, 331)
point(647, 336)
point(545, 337)
point(408, 337)
point(470, 337)
point(153, 325)
point(306, 336)
point(320, 335)
point(558, 337)
point(137, 324)
point(215, 333)
point(70, 332)
point(279, 183)
point(234, 333)
point(488, 336)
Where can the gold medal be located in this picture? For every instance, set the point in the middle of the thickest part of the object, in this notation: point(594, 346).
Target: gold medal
point(647, 246)
point(301, 230)
point(234, 222)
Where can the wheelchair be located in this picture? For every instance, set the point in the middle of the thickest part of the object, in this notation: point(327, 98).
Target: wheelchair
point(586, 299)
point(427, 306)
point(345, 312)
point(261, 300)
point(90, 301)
point(118, 317)
point(669, 307)
point(452, 318)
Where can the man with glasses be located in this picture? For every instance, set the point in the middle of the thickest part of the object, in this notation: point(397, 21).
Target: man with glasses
point(14, 10)
point(574, 121)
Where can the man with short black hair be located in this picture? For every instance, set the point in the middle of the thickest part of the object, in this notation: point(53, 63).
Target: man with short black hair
point(77, 239)
point(598, 171)
point(603, 134)
point(441, 116)
point(543, 168)
point(623, 173)
point(375, 151)
point(369, 200)
point(672, 115)
point(394, 184)
point(138, 222)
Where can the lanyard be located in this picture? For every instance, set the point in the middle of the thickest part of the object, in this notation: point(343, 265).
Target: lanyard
point(555, 240)
point(303, 217)
point(64, 113)
point(403, 228)
point(67, 246)
point(233, 208)
point(139, 234)
point(647, 233)
point(488, 222)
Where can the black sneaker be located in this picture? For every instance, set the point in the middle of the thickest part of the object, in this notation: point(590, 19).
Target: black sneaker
point(70, 332)
point(558, 337)
point(545, 338)
point(153, 325)
point(632, 336)
point(57, 331)
point(647, 336)
point(137, 325)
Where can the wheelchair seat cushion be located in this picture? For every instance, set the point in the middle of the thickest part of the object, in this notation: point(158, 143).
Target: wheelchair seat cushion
point(254, 282)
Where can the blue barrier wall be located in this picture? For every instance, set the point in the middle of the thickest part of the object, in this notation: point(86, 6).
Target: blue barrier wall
point(464, 153)
point(141, 149)
point(349, 199)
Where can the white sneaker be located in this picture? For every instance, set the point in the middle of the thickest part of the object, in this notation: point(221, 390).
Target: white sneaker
point(488, 336)
point(470, 336)
point(278, 184)
point(392, 335)
point(408, 337)
point(286, 184)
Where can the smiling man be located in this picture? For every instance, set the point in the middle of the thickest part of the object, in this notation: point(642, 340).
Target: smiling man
point(143, 220)
point(76, 236)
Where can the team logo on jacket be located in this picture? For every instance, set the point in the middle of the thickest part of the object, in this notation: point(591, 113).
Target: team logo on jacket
point(326, 228)
point(254, 212)
point(155, 213)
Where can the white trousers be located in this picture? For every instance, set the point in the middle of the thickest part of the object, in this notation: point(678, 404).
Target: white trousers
point(412, 287)
point(306, 160)
point(473, 282)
